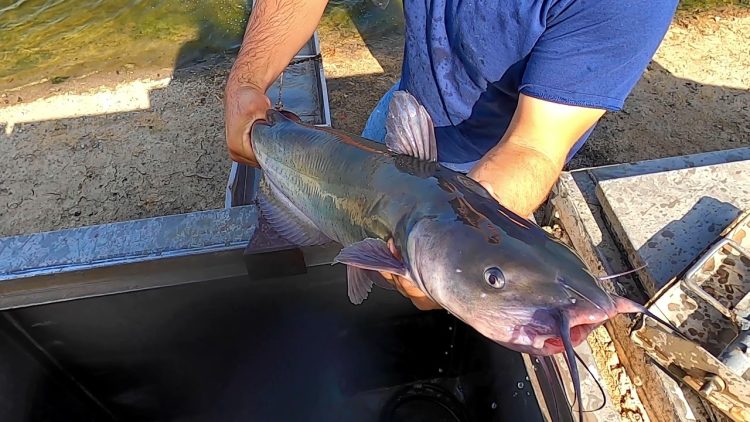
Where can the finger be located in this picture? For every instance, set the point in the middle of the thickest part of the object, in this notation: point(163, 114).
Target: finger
point(240, 159)
point(425, 304)
point(400, 288)
point(387, 276)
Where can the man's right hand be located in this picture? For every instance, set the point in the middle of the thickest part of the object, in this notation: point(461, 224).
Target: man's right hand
point(243, 105)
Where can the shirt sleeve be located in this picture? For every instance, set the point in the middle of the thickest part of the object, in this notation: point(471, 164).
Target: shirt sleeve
point(593, 52)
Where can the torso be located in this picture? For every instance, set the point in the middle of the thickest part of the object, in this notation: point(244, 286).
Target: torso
point(467, 61)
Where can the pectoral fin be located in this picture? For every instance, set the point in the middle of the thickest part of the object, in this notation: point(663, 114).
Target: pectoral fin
point(360, 283)
point(371, 254)
point(364, 260)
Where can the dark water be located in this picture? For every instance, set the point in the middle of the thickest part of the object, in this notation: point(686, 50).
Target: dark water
point(54, 40)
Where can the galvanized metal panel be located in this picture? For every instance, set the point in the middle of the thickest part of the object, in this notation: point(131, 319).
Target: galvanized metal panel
point(667, 219)
point(709, 305)
point(124, 256)
point(125, 242)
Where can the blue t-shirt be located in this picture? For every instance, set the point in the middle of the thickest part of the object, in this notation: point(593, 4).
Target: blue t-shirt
point(467, 61)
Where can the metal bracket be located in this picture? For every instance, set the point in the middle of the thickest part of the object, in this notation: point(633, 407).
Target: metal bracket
point(709, 305)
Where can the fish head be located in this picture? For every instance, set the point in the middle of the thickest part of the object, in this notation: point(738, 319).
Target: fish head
point(520, 287)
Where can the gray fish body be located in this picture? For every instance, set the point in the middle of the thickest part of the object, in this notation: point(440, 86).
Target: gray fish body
point(445, 226)
point(350, 187)
point(395, 210)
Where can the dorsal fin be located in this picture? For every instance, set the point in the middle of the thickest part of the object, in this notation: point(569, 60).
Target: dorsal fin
point(409, 128)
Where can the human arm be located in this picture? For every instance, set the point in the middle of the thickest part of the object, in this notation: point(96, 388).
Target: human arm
point(276, 31)
point(521, 170)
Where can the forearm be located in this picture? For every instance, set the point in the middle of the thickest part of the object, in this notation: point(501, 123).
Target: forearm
point(519, 177)
point(276, 31)
point(521, 170)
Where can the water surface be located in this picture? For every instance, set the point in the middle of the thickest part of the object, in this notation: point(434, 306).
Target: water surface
point(53, 40)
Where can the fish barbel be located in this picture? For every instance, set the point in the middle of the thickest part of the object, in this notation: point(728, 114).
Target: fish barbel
point(497, 272)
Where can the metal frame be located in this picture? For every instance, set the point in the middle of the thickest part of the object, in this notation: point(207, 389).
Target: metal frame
point(716, 374)
point(124, 256)
point(575, 205)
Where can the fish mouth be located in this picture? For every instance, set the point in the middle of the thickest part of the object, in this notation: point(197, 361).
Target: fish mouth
point(582, 323)
point(553, 344)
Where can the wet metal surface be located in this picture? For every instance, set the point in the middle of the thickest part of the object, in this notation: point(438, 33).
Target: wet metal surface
point(128, 241)
point(125, 256)
point(684, 212)
point(709, 305)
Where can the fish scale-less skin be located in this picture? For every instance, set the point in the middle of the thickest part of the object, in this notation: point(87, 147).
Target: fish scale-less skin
point(494, 270)
point(350, 190)
point(445, 226)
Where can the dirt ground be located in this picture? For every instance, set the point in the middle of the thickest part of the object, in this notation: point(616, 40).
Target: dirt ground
point(132, 143)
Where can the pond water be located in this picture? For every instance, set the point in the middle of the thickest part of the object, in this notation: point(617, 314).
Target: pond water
point(54, 40)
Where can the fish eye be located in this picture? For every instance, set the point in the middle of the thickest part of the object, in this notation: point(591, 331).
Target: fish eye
point(494, 277)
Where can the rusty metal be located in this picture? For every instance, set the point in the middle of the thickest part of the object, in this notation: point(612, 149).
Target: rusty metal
point(710, 306)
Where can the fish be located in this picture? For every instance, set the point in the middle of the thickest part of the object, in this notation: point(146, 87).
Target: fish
point(393, 208)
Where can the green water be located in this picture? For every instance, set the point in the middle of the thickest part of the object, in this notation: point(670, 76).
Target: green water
point(50, 41)
point(53, 40)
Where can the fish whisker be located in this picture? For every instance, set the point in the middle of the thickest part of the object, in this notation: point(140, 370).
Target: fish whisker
point(611, 276)
point(598, 384)
point(626, 306)
point(570, 359)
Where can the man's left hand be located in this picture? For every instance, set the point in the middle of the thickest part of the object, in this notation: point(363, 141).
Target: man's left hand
point(409, 290)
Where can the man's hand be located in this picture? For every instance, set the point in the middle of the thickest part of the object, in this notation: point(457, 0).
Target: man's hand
point(408, 289)
point(244, 104)
point(276, 31)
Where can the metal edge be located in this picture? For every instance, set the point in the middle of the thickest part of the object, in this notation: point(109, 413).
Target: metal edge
point(537, 387)
point(656, 165)
point(228, 195)
point(323, 83)
point(109, 244)
point(122, 277)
